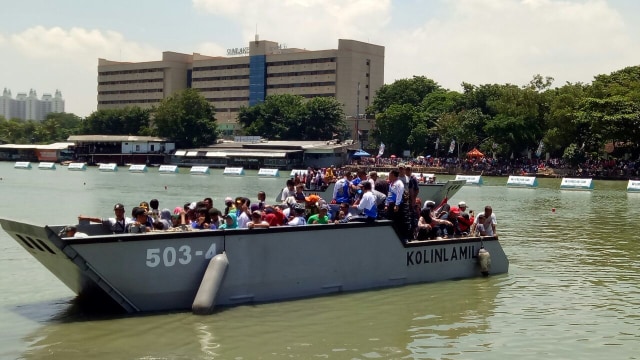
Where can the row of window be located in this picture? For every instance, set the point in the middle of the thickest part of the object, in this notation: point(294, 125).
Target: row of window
point(301, 62)
point(224, 88)
point(126, 72)
point(123, 82)
point(217, 78)
point(299, 85)
point(237, 98)
point(140, 101)
point(221, 67)
point(303, 73)
point(140, 91)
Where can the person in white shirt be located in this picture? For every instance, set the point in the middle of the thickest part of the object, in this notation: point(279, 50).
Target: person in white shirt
point(367, 205)
point(488, 220)
point(298, 219)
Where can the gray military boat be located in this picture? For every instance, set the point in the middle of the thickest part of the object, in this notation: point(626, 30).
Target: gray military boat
point(179, 270)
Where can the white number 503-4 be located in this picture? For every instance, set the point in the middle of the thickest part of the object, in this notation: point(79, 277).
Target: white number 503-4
point(169, 256)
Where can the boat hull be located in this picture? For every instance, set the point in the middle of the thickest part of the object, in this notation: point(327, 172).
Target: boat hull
point(162, 271)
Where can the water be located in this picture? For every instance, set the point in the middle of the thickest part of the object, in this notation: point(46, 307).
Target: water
point(572, 290)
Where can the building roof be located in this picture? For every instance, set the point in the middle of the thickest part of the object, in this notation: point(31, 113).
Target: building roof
point(54, 146)
point(114, 138)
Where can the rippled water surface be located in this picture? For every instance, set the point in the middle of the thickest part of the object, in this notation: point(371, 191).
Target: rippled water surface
point(571, 293)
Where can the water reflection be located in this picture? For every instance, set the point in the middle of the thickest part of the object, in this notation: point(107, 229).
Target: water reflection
point(390, 323)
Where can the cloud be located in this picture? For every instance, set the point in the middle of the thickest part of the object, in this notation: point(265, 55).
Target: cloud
point(81, 46)
point(210, 49)
point(299, 23)
point(497, 41)
point(47, 59)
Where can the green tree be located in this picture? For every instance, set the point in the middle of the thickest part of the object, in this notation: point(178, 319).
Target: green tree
point(324, 117)
point(289, 117)
point(126, 121)
point(563, 122)
point(404, 91)
point(187, 118)
point(393, 126)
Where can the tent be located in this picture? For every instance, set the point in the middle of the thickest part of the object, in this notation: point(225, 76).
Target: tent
point(361, 153)
point(475, 153)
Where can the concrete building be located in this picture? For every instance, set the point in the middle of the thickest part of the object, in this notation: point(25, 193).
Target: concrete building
point(352, 74)
point(29, 107)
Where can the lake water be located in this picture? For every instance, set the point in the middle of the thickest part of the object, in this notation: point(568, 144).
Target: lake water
point(572, 291)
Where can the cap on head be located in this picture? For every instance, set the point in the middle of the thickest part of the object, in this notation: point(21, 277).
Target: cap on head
point(462, 204)
point(118, 206)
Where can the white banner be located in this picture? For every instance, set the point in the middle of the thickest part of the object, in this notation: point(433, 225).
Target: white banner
point(452, 146)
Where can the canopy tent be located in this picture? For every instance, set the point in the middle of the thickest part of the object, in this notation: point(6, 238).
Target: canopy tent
point(361, 153)
point(392, 156)
point(475, 153)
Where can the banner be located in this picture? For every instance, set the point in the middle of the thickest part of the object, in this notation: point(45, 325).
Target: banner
point(437, 143)
point(381, 151)
point(452, 146)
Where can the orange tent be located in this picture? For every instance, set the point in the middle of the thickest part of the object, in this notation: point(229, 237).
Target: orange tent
point(475, 153)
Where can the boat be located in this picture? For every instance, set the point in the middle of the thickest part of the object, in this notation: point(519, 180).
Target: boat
point(200, 270)
point(436, 192)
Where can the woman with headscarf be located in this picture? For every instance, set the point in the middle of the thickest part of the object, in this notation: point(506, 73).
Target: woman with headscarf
point(230, 222)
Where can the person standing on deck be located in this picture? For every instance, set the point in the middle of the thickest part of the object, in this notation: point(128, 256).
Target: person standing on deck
point(116, 225)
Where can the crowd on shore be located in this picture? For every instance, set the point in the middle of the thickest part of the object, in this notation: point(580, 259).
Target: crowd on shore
point(591, 168)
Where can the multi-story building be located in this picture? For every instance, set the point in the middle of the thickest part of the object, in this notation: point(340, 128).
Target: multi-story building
point(29, 107)
point(352, 74)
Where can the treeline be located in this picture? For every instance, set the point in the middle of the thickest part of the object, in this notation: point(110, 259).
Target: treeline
point(186, 118)
point(573, 121)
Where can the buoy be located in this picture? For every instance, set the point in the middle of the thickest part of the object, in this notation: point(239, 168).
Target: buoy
point(484, 259)
point(553, 209)
point(165, 187)
point(205, 299)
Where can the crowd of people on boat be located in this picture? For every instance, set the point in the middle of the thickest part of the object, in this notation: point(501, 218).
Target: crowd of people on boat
point(359, 197)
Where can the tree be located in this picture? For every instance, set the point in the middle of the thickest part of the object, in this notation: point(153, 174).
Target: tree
point(187, 118)
point(324, 117)
point(126, 121)
point(393, 126)
point(404, 91)
point(289, 117)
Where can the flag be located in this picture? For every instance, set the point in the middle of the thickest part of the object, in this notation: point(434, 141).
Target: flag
point(334, 134)
point(452, 146)
point(359, 132)
point(437, 143)
point(494, 146)
point(539, 150)
point(381, 151)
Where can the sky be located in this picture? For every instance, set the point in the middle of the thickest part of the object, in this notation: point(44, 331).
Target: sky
point(55, 44)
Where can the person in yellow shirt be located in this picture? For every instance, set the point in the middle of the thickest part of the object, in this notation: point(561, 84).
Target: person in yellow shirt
point(329, 175)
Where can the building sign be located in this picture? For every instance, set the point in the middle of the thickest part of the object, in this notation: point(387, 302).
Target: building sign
point(238, 51)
